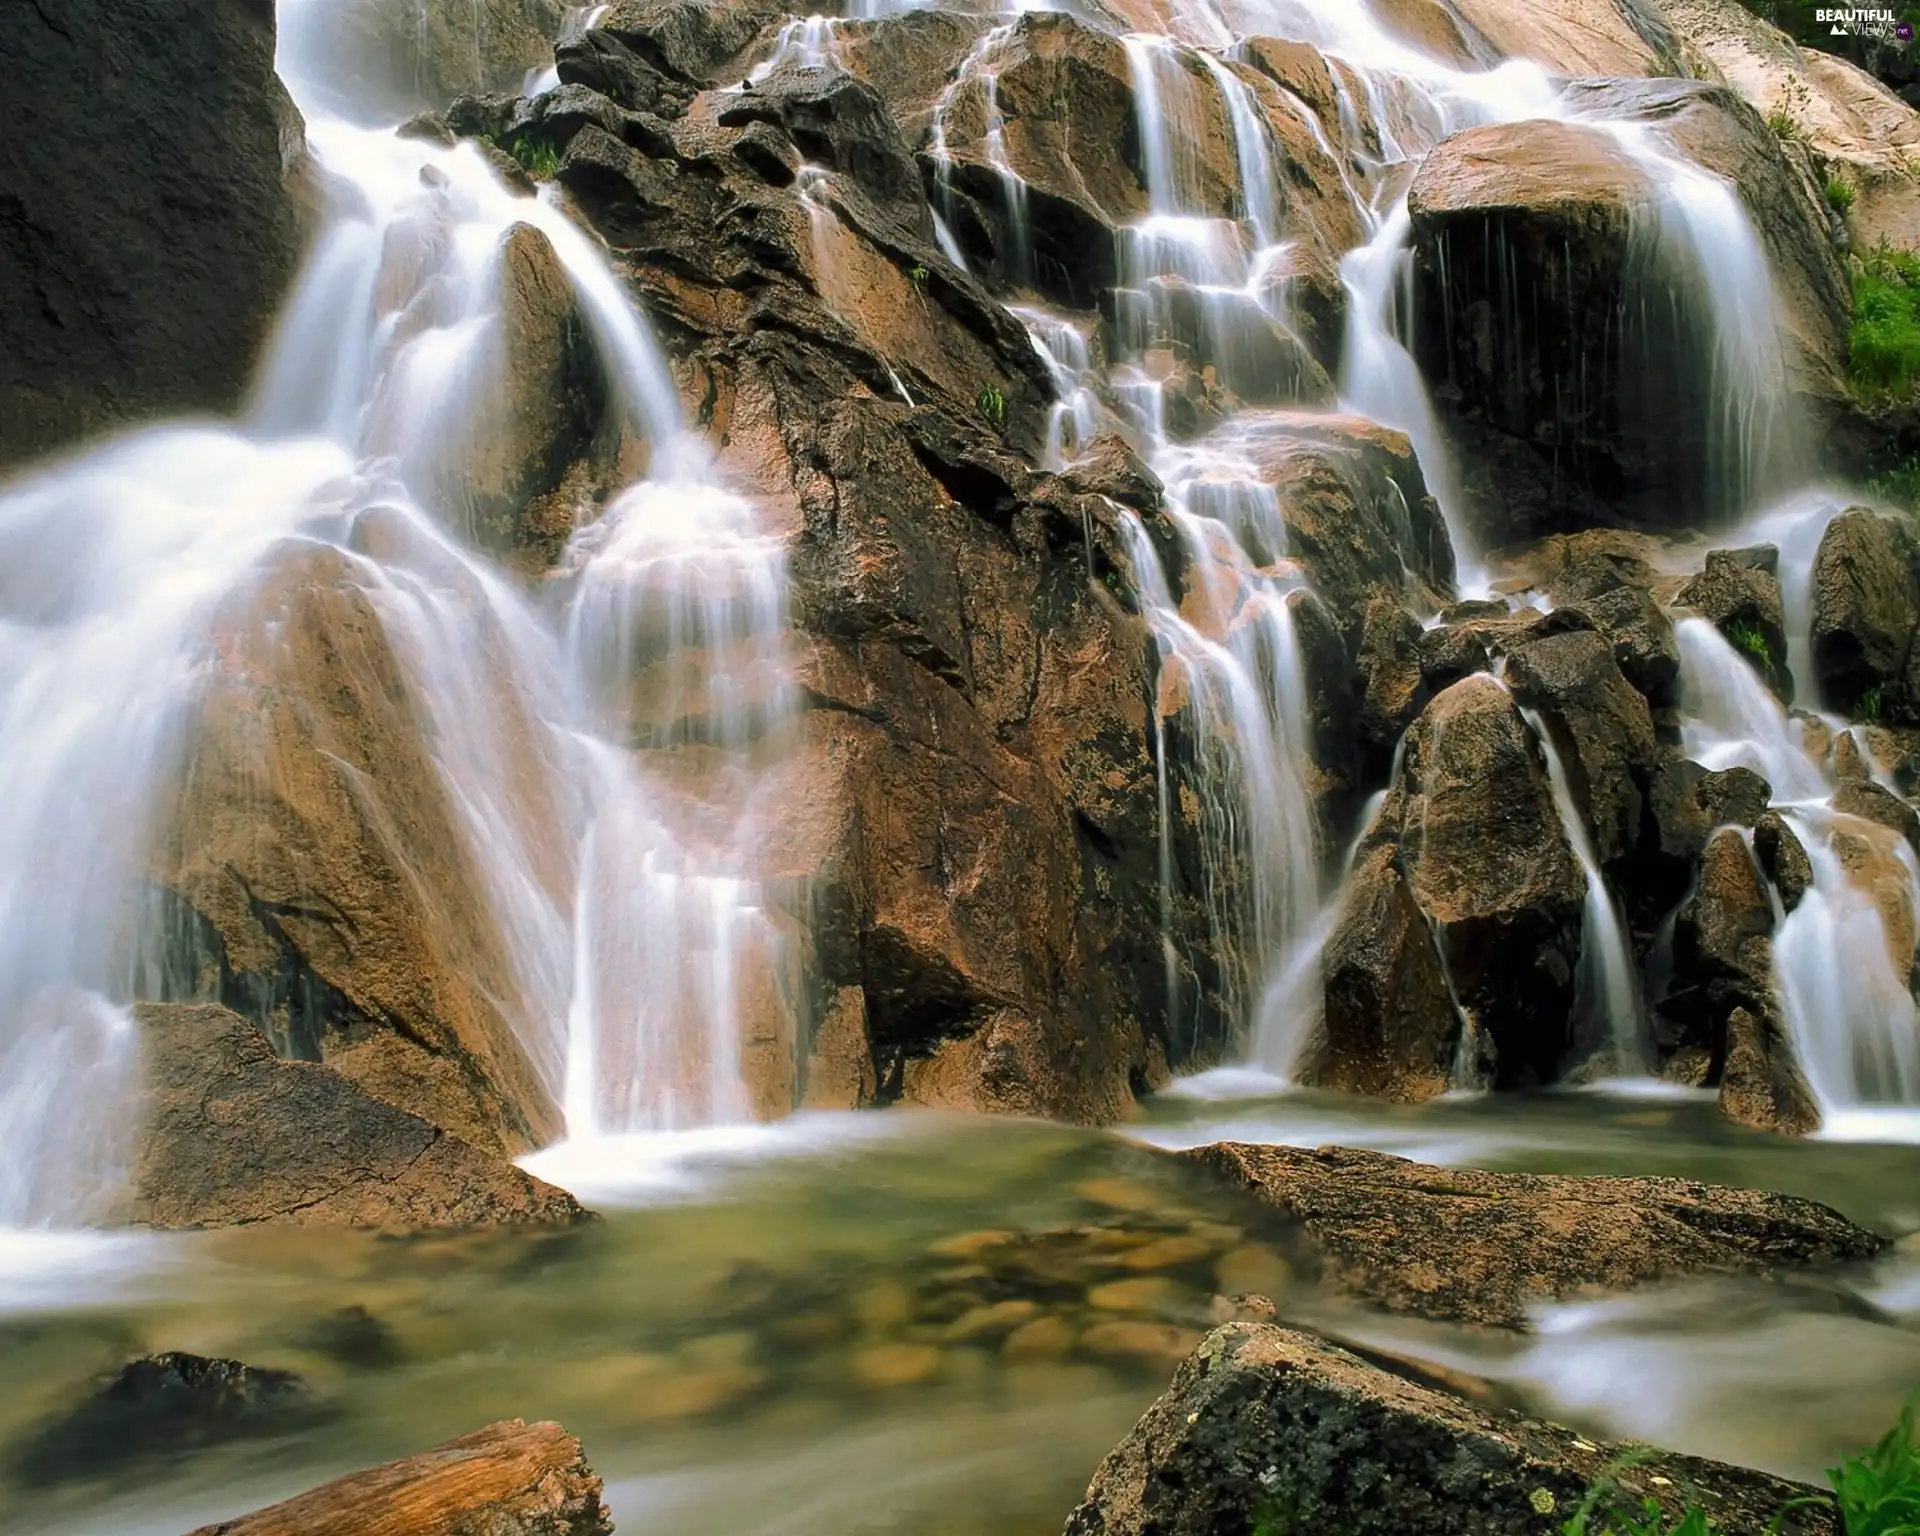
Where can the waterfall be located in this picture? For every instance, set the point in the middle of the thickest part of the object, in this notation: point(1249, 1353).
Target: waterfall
point(631, 926)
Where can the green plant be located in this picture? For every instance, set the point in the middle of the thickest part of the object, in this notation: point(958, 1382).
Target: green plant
point(1885, 339)
point(1647, 1520)
point(1867, 707)
point(1899, 485)
point(537, 155)
point(1749, 637)
point(1879, 1490)
point(1839, 193)
point(918, 277)
point(993, 406)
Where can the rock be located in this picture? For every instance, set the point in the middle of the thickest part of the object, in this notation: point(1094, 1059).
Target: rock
point(318, 877)
point(1723, 957)
point(396, 56)
point(1739, 592)
point(538, 422)
point(1866, 606)
point(165, 1405)
point(235, 1137)
point(1393, 688)
point(1472, 831)
point(1856, 126)
point(509, 1479)
point(1483, 1248)
point(1572, 37)
point(1783, 858)
point(1555, 207)
point(1761, 1085)
point(1602, 725)
point(1876, 803)
point(154, 215)
point(1263, 1427)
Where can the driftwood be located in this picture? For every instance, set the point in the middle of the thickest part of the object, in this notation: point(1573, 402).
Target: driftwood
point(509, 1479)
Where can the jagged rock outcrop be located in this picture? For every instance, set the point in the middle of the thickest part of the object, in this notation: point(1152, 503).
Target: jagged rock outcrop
point(1264, 1427)
point(509, 1479)
point(1739, 591)
point(234, 1136)
point(1866, 600)
point(151, 217)
point(1474, 852)
point(1483, 1248)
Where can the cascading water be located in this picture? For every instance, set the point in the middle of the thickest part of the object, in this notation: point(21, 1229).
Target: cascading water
point(632, 929)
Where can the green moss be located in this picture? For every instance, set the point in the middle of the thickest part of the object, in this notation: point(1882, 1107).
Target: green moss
point(1886, 324)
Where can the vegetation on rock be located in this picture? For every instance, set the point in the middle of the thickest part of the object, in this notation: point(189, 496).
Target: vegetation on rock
point(1885, 340)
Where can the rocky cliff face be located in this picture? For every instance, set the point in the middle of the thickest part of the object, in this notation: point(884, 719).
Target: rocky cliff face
point(151, 218)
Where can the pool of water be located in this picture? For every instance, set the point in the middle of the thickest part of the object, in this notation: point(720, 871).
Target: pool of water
point(914, 1322)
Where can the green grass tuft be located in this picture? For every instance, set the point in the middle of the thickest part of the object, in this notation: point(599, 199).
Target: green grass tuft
point(1749, 637)
point(1886, 323)
point(993, 406)
point(1867, 707)
point(539, 157)
point(1839, 194)
point(1899, 485)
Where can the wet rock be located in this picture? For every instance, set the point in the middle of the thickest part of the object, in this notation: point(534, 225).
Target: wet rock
point(1571, 37)
point(1560, 209)
point(1472, 830)
point(1472, 1247)
point(1783, 858)
point(1761, 1085)
point(1876, 803)
point(1601, 724)
point(140, 276)
point(234, 1136)
point(1866, 607)
point(509, 1479)
point(166, 1405)
point(1849, 763)
point(1739, 592)
point(1264, 1425)
point(405, 54)
point(319, 880)
point(1390, 1025)
point(1393, 687)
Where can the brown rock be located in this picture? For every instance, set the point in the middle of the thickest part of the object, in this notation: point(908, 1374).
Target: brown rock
point(1761, 1085)
point(1262, 1423)
point(1570, 37)
point(1783, 858)
point(1878, 804)
point(1739, 592)
point(1482, 1248)
point(509, 1479)
point(322, 877)
point(409, 54)
point(234, 1137)
point(1866, 608)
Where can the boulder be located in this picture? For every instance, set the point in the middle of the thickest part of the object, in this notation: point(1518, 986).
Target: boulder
point(1602, 726)
point(153, 214)
point(1264, 1428)
point(1562, 210)
point(1866, 609)
point(1783, 858)
point(234, 1136)
point(1473, 832)
point(317, 875)
point(386, 58)
point(1573, 37)
point(1761, 1086)
point(509, 1479)
point(164, 1405)
point(1463, 1246)
point(1738, 591)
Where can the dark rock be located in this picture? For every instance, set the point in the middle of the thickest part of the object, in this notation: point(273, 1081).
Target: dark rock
point(1393, 687)
point(1866, 612)
point(166, 1405)
point(1739, 593)
point(509, 1479)
point(1267, 1429)
point(150, 216)
point(234, 1136)
point(1783, 858)
point(1465, 1246)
